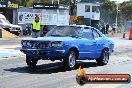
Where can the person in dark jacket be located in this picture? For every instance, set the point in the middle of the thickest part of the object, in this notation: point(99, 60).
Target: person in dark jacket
point(107, 28)
point(103, 29)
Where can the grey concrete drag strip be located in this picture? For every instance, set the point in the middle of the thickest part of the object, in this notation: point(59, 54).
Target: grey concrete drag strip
point(14, 72)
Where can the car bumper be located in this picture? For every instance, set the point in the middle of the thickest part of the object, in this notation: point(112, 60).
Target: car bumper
point(42, 51)
point(44, 54)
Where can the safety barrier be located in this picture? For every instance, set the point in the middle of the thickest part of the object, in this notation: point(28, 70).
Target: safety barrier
point(6, 34)
point(130, 34)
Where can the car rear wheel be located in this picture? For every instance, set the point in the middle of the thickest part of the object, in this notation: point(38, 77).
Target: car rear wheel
point(104, 59)
point(70, 60)
point(31, 62)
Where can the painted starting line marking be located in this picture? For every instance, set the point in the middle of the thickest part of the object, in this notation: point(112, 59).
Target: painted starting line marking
point(11, 57)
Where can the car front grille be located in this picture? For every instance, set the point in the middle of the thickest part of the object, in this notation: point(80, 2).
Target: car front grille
point(17, 28)
point(40, 44)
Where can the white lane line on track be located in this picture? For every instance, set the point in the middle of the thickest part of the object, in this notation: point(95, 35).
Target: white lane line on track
point(12, 57)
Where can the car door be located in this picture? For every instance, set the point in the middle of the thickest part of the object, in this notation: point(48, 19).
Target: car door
point(97, 43)
point(87, 44)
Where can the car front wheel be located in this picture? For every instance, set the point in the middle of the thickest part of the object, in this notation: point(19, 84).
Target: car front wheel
point(31, 62)
point(103, 60)
point(70, 60)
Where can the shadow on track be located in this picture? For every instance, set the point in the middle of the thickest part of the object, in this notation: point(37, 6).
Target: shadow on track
point(49, 68)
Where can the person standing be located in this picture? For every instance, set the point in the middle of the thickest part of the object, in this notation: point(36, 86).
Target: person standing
point(114, 28)
point(107, 27)
point(103, 29)
point(36, 28)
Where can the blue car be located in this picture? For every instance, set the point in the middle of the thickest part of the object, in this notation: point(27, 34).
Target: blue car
point(68, 43)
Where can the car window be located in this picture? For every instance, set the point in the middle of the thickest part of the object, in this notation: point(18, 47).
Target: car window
point(87, 33)
point(65, 31)
point(87, 8)
point(95, 34)
point(95, 9)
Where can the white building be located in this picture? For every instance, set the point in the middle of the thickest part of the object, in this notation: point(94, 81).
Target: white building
point(90, 11)
point(56, 16)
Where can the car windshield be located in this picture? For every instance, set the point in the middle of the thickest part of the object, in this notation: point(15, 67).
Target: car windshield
point(4, 21)
point(62, 31)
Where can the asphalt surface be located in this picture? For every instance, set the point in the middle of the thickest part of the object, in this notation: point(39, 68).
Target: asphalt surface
point(14, 72)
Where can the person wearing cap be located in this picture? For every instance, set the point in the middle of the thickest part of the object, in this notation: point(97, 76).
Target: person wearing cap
point(36, 28)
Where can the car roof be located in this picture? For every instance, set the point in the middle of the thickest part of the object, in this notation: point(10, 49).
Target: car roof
point(74, 25)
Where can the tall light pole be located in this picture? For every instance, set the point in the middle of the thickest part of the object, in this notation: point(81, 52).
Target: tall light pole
point(116, 2)
point(58, 2)
point(52, 1)
point(116, 14)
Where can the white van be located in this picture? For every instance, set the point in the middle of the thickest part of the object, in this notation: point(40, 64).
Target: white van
point(5, 24)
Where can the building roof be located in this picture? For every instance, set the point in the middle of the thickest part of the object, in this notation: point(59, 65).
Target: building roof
point(95, 3)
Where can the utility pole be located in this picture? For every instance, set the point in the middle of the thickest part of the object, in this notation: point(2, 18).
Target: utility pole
point(116, 2)
point(116, 14)
point(58, 2)
point(52, 1)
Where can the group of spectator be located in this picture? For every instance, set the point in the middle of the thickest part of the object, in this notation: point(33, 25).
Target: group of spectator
point(104, 28)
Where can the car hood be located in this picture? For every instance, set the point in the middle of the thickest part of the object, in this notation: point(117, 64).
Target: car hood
point(12, 25)
point(50, 39)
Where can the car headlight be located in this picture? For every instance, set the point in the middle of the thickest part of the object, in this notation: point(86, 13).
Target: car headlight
point(24, 43)
point(29, 43)
point(56, 44)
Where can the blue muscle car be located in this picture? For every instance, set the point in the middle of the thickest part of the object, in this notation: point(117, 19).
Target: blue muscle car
point(68, 44)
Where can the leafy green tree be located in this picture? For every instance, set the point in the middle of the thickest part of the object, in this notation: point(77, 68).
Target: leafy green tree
point(46, 1)
point(101, 1)
point(126, 10)
point(28, 3)
point(108, 12)
point(71, 3)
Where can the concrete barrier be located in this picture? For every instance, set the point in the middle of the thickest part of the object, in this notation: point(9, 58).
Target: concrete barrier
point(6, 34)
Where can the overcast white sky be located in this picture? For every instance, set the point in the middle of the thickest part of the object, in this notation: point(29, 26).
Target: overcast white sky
point(120, 1)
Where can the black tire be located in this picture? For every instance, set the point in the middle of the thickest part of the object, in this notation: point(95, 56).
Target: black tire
point(104, 58)
point(31, 62)
point(70, 60)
